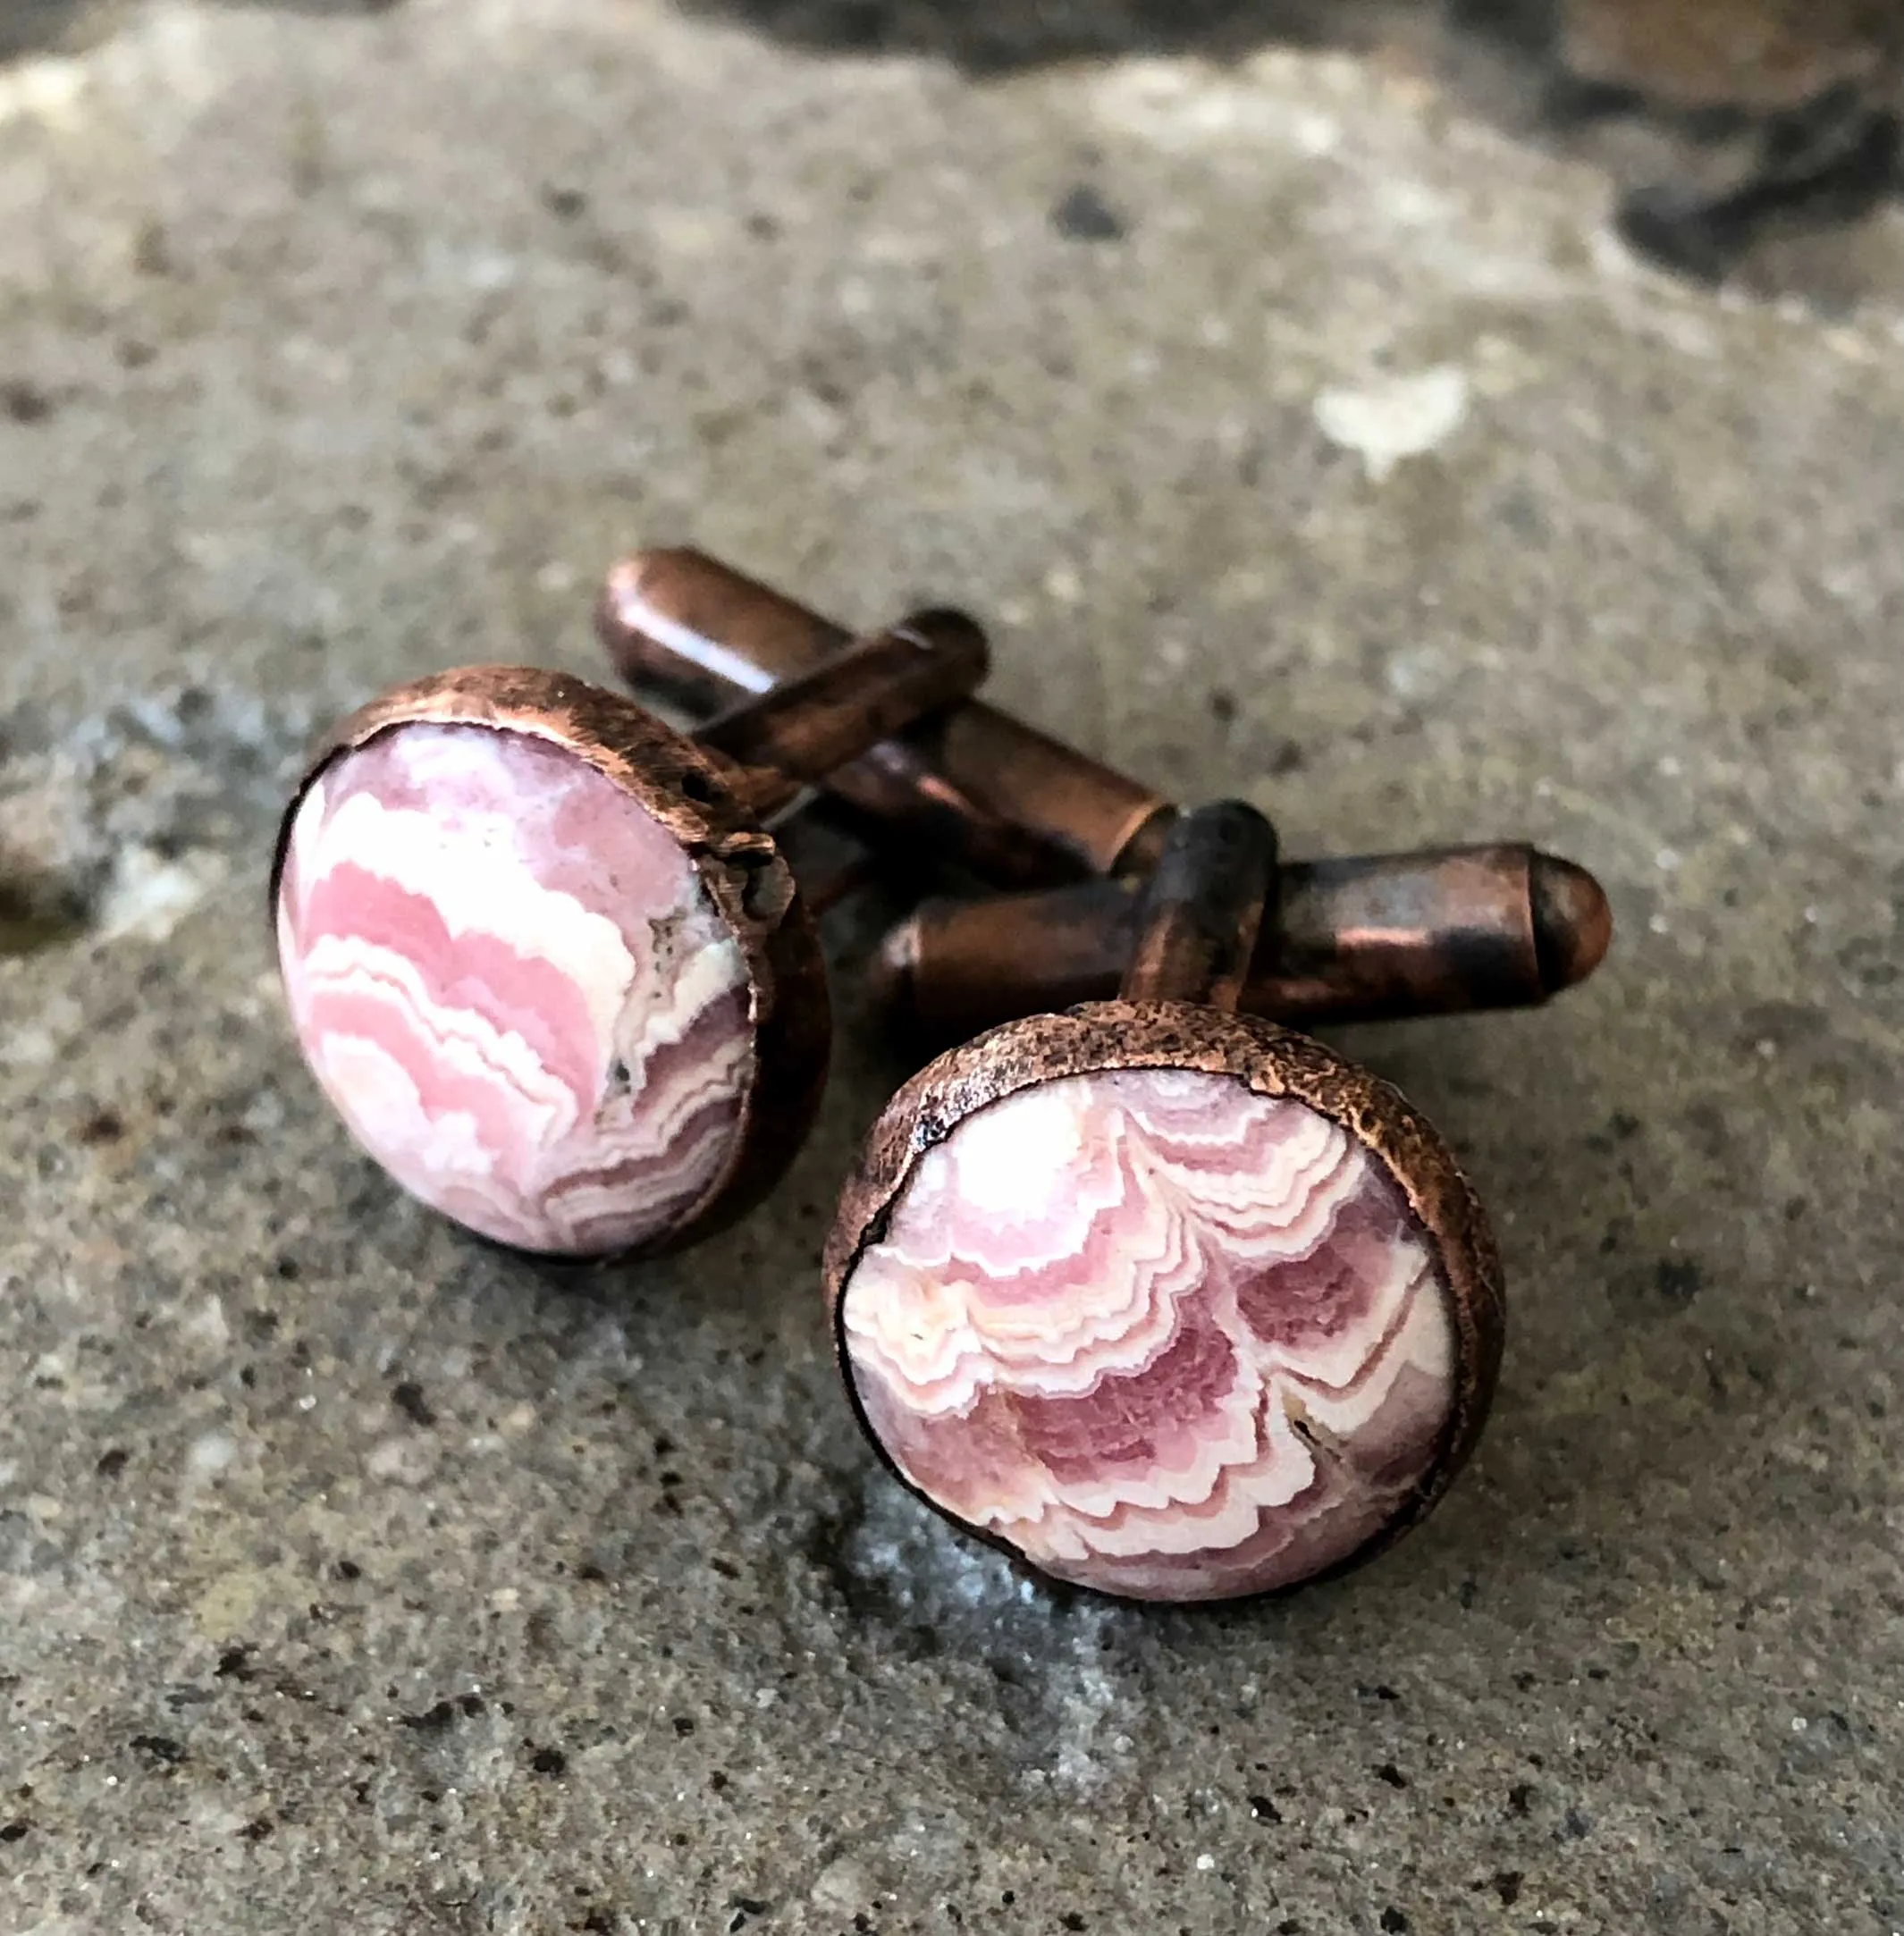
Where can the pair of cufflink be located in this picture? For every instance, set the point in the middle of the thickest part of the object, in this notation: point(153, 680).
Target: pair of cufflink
point(1165, 1299)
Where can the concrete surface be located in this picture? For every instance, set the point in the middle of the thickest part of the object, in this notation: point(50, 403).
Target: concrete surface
point(358, 1578)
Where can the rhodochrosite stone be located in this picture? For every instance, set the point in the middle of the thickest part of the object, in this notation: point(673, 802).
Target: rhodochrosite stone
point(512, 984)
point(1164, 1336)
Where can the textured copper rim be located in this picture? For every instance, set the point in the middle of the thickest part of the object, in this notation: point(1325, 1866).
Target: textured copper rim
point(700, 798)
point(1272, 1061)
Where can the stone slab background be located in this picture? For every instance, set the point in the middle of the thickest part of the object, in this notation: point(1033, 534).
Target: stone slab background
point(1295, 411)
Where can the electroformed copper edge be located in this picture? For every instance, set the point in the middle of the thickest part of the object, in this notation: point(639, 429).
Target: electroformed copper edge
point(1271, 1061)
point(701, 800)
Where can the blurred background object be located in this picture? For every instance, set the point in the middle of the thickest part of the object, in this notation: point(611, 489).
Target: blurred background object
point(65, 26)
point(1725, 124)
point(1780, 114)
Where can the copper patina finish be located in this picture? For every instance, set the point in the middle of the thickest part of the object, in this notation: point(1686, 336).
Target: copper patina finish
point(1268, 1060)
point(1015, 805)
point(1365, 937)
point(799, 731)
point(1202, 908)
point(711, 805)
point(1435, 932)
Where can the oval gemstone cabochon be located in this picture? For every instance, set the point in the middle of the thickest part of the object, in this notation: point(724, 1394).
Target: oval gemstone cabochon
point(1166, 1337)
point(512, 984)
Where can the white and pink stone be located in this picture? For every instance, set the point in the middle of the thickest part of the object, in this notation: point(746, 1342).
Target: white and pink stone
point(512, 984)
point(1166, 1337)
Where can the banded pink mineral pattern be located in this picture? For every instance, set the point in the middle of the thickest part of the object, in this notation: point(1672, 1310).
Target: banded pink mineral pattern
point(1164, 1336)
point(512, 983)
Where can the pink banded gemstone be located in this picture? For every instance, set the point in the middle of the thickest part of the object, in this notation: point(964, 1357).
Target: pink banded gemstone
point(1164, 1336)
point(512, 984)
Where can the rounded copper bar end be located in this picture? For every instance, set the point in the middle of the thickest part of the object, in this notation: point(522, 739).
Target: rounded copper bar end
point(1140, 853)
point(1573, 924)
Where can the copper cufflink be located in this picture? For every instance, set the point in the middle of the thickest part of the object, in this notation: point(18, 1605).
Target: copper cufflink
point(546, 960)
point(1165, 1299)
point(1438, 931)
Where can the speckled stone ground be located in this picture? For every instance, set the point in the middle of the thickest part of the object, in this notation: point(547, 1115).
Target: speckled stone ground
point(1305, 434)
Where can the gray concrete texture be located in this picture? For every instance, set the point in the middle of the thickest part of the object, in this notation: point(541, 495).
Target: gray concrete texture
point(1306, 433)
